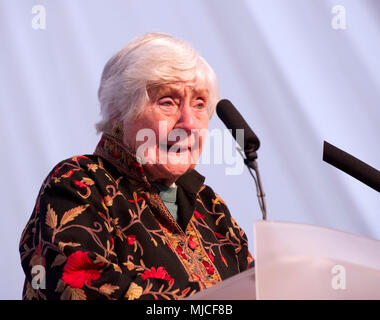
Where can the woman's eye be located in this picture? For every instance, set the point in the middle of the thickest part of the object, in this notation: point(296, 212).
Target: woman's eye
point(200, 105)
point(166, 103)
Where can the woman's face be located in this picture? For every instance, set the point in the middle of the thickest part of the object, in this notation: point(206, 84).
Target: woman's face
point(169, 133)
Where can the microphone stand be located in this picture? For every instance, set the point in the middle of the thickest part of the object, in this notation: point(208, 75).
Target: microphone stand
point(250, 162)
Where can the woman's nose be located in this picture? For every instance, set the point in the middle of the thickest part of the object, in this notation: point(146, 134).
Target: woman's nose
point(186, 120)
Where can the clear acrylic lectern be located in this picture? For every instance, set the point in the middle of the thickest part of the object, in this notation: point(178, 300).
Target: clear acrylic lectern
point(299, 261)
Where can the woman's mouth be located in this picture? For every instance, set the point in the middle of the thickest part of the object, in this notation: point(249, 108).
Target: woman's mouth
point(174, 148)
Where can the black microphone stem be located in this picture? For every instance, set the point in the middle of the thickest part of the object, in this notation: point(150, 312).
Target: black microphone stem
point(252, 164)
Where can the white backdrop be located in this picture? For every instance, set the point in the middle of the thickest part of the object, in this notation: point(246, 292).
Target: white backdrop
point(296, 79)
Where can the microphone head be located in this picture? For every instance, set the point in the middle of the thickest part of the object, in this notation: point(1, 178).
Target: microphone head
point(233, 120)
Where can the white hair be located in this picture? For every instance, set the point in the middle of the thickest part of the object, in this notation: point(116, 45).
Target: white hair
point(153, 59)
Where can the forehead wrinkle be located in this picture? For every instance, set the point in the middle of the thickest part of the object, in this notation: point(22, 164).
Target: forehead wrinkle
point(163, 90)
point(177, 90)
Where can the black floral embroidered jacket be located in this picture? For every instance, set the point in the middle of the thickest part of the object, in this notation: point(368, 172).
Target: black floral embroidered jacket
point(99, 230)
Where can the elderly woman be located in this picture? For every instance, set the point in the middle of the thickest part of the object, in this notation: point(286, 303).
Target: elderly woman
point(134, 220)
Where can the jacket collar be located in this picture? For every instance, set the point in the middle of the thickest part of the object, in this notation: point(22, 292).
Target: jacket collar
point(191, 181)
point(114, 151)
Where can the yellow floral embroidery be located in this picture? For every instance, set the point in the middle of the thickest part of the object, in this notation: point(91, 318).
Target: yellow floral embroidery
point(134, 292)
point(92, 167)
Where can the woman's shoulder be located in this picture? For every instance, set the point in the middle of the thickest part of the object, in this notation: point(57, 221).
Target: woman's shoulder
point(79, 171)
point(85, 164)
point(78, 162)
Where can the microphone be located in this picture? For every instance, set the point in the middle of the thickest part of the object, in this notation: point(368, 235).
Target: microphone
point(351, 165)
point(233, 121)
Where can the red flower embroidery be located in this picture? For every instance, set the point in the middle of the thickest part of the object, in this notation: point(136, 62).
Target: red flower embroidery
point(184, 292)
point(209, 267)
point(192, 243)
point(198, 277)
point(160, 273)
point(180, 252)
point(80, 184)
point(211, 257)
point(133, 201)
point(56, 171)
point(80, 270)
point(224, 261)
point(198, 215)
point(218, 235)
point(131, 240)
